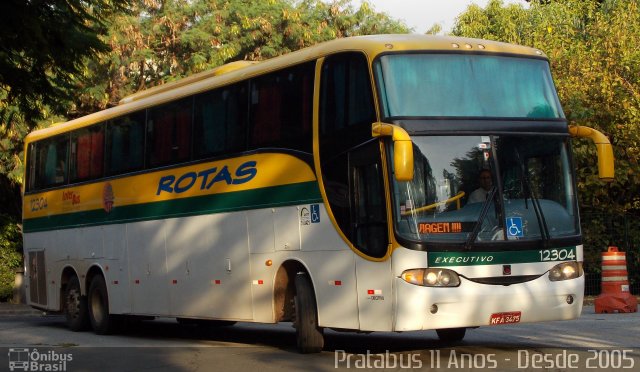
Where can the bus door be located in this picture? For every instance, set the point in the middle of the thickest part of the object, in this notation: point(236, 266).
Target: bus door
point(351, 166)
point(369, 234)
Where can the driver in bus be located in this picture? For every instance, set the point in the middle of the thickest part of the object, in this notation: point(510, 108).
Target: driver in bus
point(480, 194)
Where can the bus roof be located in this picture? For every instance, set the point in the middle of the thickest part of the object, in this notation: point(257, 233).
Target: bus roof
point(371, 45)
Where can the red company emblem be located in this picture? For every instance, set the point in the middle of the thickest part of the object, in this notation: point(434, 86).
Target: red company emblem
point(107, 197)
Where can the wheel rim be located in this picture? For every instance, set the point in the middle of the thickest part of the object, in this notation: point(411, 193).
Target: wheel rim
point(73, 303)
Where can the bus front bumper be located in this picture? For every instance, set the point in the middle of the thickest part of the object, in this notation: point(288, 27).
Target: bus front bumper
point(473, 304)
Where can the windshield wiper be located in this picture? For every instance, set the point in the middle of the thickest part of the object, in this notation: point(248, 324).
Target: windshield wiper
point(483, 212)
point(528, 194)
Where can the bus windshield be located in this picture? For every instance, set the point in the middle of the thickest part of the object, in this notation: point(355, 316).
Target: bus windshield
point(457, 85)
point(474, 188)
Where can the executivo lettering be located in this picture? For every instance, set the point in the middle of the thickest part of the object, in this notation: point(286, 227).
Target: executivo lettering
point(463, 259)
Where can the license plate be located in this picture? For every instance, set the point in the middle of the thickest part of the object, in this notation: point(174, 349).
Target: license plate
point(505, 318)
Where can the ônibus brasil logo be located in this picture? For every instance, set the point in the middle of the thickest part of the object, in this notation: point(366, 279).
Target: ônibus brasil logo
point(24, 359)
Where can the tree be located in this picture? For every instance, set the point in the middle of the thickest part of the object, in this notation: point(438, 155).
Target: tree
point(10, 258)
point(44, 43)
point(161, 41)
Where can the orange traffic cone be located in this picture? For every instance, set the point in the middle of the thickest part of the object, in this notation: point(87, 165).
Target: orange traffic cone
point(615, 295)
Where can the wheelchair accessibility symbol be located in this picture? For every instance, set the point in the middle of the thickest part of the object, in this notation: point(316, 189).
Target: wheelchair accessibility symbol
point(514, 227)
point(315, 213)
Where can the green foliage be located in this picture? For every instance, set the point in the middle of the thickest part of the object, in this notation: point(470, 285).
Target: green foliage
point(12, 131)
point(161, 41)
point(591, 45)
point(10, 255)
point(602, 230)
point(43, 44)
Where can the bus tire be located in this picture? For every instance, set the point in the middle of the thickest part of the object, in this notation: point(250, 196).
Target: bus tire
point(451, 334)
point(98, 303)
point(75, 306)
point(309, 335)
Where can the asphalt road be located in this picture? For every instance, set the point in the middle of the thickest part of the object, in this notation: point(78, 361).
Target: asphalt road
point(595, 341)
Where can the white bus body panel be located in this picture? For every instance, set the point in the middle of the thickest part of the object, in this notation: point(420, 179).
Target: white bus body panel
point(260, 231)
point(337, 303)
point(208, 266)
point(116, 267)
point(212, 266)
point(331, 266)
point(286, 227)
point(148, 267)
point(375, 300)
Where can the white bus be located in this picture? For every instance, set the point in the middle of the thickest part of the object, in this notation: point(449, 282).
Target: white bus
point(330, 187)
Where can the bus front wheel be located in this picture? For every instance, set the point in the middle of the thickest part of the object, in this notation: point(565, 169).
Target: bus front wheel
point(451, 334)
point(75, 306)
point(309, 335)
point(98, 303)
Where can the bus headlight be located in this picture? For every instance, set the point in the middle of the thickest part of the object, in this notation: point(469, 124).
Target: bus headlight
point(565, 271)
point(431, 277)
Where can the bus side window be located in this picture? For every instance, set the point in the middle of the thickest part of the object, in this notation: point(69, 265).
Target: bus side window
point(346, 97)
point(281, 109)
point(87, 153)
point(220, 121)
point(32, 153)
point(125, 144)
point(52, 160)
point(169, 133)
point(266, 111)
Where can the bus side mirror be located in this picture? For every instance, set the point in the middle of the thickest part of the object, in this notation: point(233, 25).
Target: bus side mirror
point(603, 147)
point(402, 149)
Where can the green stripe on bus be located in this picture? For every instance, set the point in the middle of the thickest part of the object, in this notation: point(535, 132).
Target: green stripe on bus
point(442, 259)
point(268, 197)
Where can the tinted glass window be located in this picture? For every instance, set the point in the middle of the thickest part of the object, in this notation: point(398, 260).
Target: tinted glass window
point(87, 153)
point(32, 153)
point(456, 85)
point(350, 159)
point(497, 187)
point(347, 100)
point(52, 162)
point(281, 109)
point(220, 121)
point(125, 144)
point(368, 207)
point(169, 133)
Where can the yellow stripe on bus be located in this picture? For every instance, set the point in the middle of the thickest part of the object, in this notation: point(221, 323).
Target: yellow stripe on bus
point(230, 175)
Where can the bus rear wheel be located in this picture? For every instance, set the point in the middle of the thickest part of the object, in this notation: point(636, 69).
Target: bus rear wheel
point(75, 306)
point(451, 334)
point(98, 303)
point(309, 335)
